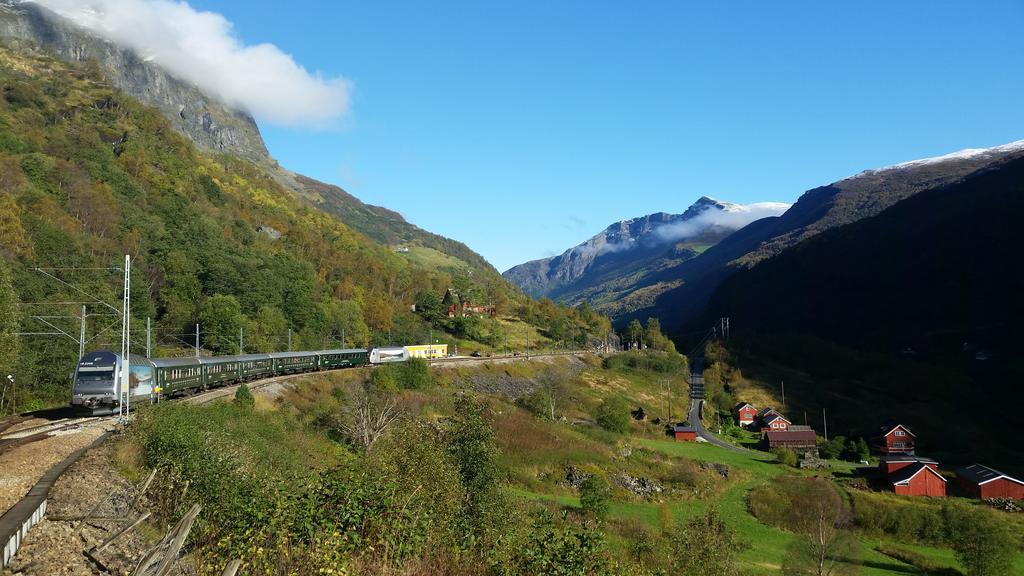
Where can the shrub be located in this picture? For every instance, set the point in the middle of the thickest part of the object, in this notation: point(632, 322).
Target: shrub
point(244, 398)
point(537, 403)
point(613, 415)
point(595, 496)
point(785, 456)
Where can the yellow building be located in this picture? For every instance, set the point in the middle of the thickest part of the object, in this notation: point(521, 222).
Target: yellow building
point(427, 351)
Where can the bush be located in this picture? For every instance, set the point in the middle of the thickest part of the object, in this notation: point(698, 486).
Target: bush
point(244, 398)
point(537, 403)
point(785, 456)
point(595, 496)
point(613, 415)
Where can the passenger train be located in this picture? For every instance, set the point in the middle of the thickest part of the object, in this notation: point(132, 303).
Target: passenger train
point(94, 387)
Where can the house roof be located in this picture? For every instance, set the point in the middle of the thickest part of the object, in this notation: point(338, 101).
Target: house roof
point(906, 458)
point(678, 428)
point(981, 474)
point(798, 427)
point(792, 436)
point(773, 417)
point(904, 475)
point(765, 411)
point(886, 430)
point(742, 405)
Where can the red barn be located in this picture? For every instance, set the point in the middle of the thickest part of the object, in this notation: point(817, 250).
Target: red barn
point(918, 479)
point(983, 482)
point(745, 413)
point(896, 439)
point(803, 441)
point(686, 433)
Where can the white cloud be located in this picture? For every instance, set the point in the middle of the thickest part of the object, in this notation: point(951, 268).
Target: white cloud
point(201, 48)
point(733, 217)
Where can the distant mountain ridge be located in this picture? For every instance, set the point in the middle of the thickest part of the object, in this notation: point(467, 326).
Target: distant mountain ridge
point(209, 123)
point(849, 200)
point(599, 268)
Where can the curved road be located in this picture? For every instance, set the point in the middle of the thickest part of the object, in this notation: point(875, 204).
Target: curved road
point(697, 402)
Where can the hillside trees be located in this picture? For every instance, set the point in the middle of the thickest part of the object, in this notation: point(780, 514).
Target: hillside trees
point(220, 320)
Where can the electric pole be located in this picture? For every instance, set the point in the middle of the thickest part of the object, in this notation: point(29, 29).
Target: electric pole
point(241, 340)
point(149, 337)
point(124, 391)
point(825, 423)
point(81, 335)
point(289, 339)
point(783, 395)
point(197, 340)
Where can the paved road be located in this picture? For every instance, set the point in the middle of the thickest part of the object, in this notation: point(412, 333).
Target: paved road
point(697, 401)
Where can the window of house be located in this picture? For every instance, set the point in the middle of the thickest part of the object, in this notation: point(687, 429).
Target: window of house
point(900, 433)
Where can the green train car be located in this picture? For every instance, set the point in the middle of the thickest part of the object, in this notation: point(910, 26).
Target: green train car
point(95, 382)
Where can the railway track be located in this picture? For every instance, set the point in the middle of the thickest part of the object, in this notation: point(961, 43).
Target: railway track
point(19, 438)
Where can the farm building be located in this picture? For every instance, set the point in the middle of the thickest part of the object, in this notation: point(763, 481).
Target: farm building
point(887, 465)
point(745, 413)
point(686, 433)
point(895, 439)
point(983, 482)
point(918, 479)
point(802, 442)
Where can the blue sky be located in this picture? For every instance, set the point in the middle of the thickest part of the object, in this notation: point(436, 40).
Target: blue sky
point(522, 128)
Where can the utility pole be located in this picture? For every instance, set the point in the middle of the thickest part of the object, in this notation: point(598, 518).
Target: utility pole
point(783, 395)
point(825, 423)
point(430, 346)
point(527, 330)
point(668, 383)
point(197, 340)
point(241, 340)
point(14, 395)
point(343, 337)
point(289, 339)
point(124, 391)
point(81, 335)
point(149, 337)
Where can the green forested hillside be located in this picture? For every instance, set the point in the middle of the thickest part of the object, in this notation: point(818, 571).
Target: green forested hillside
point(88, 174)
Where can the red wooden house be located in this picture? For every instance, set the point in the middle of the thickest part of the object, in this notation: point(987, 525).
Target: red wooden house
point(745, 413)
point(775, 422)
point(983, 482)
point(895, 439)
point(686, 433)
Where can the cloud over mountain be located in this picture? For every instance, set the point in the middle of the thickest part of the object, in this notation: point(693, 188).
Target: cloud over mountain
point(200, 47)
point(727, 215)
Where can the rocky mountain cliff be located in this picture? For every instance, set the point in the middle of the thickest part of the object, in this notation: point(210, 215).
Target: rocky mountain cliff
point(605, 269)
point(209, 123)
